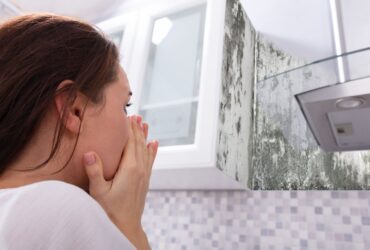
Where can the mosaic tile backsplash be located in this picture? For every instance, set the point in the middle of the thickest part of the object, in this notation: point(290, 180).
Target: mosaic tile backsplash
point(232, 220)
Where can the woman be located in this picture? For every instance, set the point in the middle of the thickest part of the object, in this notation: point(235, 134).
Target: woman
point(74, 169)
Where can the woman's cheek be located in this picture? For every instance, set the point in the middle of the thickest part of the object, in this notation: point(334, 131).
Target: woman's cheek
point(111, 169)
point(115, 158)
point(125, 132)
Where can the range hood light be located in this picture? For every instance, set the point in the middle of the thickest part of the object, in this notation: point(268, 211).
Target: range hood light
point(350, 103)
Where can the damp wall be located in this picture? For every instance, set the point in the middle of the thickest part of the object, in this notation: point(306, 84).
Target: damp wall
point(263, 139)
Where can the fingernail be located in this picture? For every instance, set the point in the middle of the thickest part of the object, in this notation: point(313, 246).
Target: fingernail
point(138, 119)
point(89, 159)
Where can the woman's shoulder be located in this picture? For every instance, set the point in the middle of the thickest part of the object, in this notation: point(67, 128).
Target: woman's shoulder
point(51, 201)
point(45, 186)
point(45, 195)
point(59, 211)
point(59, 190)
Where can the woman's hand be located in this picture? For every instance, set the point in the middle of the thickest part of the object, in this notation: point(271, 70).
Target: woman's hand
point(123, 198)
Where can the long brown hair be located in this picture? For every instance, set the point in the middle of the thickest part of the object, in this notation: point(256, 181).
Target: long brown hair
point(38, 52)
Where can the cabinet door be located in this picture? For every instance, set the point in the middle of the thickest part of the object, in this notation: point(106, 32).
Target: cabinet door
point(176, 79)
point(121, 30)
point(170, 90)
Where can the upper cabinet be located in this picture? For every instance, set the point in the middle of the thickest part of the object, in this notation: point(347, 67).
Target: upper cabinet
point(169, 92)
point(121, 30)
point(172, 52)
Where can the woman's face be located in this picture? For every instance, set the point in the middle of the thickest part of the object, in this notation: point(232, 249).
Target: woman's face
point(104, 127)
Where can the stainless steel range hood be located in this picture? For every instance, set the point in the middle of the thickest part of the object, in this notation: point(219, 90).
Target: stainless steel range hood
point(339, 115)
point(318, 97)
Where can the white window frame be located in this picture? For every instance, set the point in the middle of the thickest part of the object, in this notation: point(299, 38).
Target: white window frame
point(203, 152)
point(128, 23)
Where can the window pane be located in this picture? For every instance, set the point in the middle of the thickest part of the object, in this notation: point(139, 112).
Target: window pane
point(172, 76)
point(116, 38)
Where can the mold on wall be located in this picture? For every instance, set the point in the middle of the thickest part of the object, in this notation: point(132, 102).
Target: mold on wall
point(263, 139)
point(284, 152)
point(236, 94)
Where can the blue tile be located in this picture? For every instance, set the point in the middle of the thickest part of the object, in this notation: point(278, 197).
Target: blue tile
point(279, 209)
point(214, 243)
point(293, 210)
point(346, 220)
point(242, 238)
point(363, 194)
point(334, 194)
point(267, 232)
point(347, 237)
point(365, 220)
point(318, 210)
point(320, 227)
point(293, 194)
point(303, 243)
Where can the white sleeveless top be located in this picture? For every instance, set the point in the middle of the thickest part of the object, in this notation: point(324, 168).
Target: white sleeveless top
point(55, 215)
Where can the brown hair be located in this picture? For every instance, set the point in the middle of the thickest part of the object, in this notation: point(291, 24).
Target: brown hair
point(38, 52)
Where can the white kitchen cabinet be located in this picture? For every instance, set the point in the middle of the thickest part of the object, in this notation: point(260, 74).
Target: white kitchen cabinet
point(121, 30)
point(173, 53)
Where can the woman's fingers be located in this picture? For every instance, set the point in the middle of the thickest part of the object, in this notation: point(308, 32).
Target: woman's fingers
point(152, 152)
point(137, 153)
point(144, 137)
point(141, 152)
point(130, 149)
point(94, 170)
point(146, 129)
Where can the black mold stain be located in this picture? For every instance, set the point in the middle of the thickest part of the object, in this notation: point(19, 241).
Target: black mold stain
point(233, 86)
point(222, 114)
point(307, 75)
point(238, 124)
point(276, 163)
point(224, 154)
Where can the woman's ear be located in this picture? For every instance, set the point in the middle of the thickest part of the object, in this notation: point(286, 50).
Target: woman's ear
point(72, 106)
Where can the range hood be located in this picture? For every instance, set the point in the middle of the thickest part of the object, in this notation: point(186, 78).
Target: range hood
point(331, 102)
point(339, 115)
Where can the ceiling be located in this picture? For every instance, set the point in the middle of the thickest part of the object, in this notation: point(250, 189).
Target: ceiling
point(300, 27)
point(86, 9)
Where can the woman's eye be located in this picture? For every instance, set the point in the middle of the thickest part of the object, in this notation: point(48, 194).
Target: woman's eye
point(126, 106)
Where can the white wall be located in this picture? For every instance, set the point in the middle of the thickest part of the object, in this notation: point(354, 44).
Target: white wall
point(356, 24)
point(300, 27)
